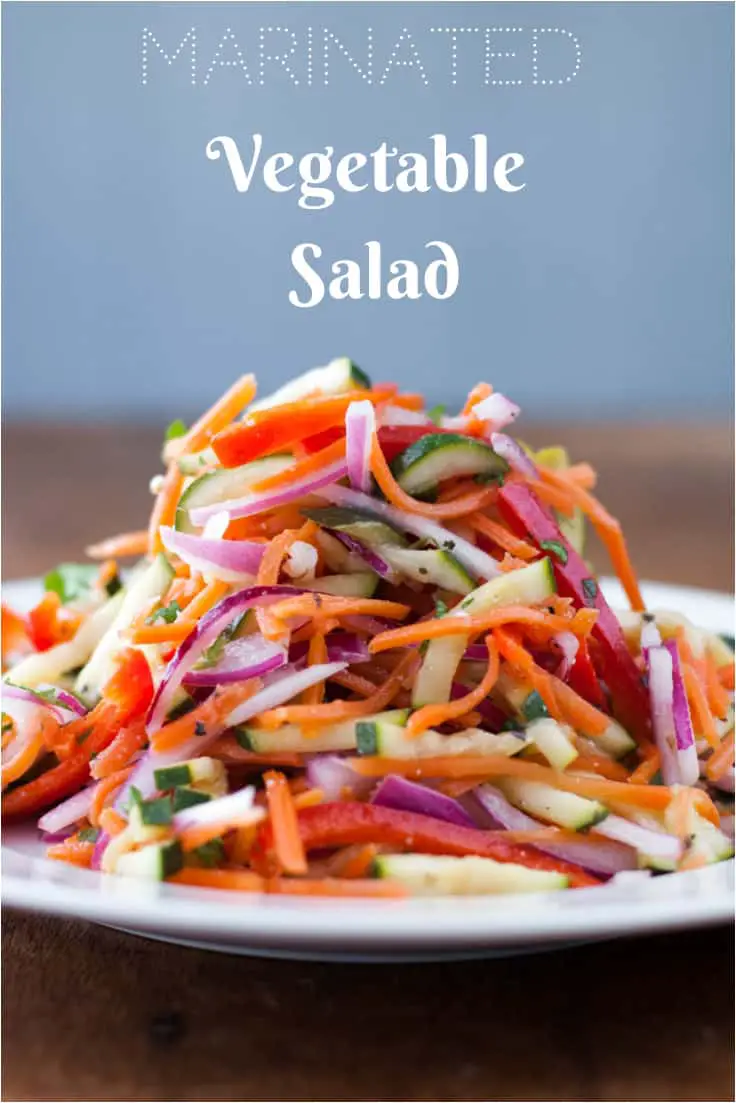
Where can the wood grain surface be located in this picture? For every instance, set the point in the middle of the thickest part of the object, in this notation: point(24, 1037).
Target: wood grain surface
point(92, 1014)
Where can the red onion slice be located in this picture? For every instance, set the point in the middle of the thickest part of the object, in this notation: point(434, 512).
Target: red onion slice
point(476, 560)
point(511, 451)
point(191, 650)
point(661, 696)
point(228, 560)
point(397, 415)
point(408, 796)
point(333, 776)
point(497, 409)
point(236, 809)
point(342, 647)
point(650, 636)
point(251, 504)
point(21, 703)
point(369, 557)
point(99, 850)
point(249, 657)
point(607, 858)
point(568, 645)
point(687, 754)
point(360, 428)
point(657, 844)
point(69, 811)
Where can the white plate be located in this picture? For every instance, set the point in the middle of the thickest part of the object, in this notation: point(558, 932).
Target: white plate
point(371, 929)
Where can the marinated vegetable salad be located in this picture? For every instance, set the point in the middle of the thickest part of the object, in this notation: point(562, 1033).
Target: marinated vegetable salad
point(362, 654)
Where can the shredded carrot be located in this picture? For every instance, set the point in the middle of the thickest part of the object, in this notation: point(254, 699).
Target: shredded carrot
point(681, 808)
point(646, 769)
point(336, 711)
point(701, 713)
point(556, 498)
point(518, 657)
point(726, 675)
point(433, 715)
point(407, 401)
point(201, 833)
point(15, 767)
point(308, 798)
point(718, 698)
point(460, 507)
point(335, 886)
point(655, 797)
point(208, 597)
point(305, 467)
point(357, 861)
point(284, 824)
point(580, 624)
point(320, 606)
point(477, 394)
point(212, 713)
point(164, 508)
point(502, 537)
point(225, 410)
point(582, 474)
point(127, 543)
point(601, 764)
point(73, 850)
point(111, 822)
point(607, 528)
point(354, 682)
point(118, 754)
point(316, 655)
point(237, 880)
point(722, 758)
point(104, 790)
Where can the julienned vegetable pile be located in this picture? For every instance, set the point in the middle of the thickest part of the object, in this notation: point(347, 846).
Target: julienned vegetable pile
point(363, 654)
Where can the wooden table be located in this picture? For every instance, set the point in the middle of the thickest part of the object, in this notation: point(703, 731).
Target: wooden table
point(92, 1014)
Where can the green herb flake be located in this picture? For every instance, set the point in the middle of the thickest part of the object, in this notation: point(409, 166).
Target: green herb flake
point(534, 707)
point(113, 585)
point(200, 728)
point(88, 834)
point(167, 613)
point(436, 413)
point(440, 608)
point(590, 589)
point(8, 723)
point(71, 581)
point(728, 640)
point(83, 736)
point(176, 429)
point(554, 547)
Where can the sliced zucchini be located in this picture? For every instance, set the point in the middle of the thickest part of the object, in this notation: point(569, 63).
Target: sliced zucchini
point(554, 741)
point(615, 741)
point(149, 584)
point(51, 665)
point(155, 862)
point(572, 528)
point(363, 526)
point(705, 843)
point(390, 741)
point(336, 556)
point(434, 566)
point(225, 483)
point(442, 875)
point(527, 586)
point(335, 378)
point(344, 585)
point(553, 805)
point(193, 465)
point(721, 651)
point(335, 737)
point(422, 466)
point(185, 797)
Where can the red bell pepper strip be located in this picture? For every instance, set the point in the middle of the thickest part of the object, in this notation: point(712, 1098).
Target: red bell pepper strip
point(323, 440)
point(523, 511)
point(584, 680)
point(279, 427)
point(393, 439)
point(343, 823)
point(130, 688)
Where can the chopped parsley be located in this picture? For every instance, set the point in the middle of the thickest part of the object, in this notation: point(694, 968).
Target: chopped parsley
point(176, 429)
point(71, 581)
point(436, 413)
point(449, 544)
point(167, 613)
point(534, 707)
point(200, 728)
point(89, 834)
point(8, 723)
point(211, 853)
point(440, 608)
point(590, 589)
point(83, 736)
point(555, 548)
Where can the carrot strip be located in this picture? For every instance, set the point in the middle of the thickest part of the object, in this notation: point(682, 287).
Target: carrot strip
point(556, 498)
point(305, 467)
point(582, 474)
point(726, 675)
point(164, 508)
point(307, 798)
point(607, 528)
point(476, 395)
point(503, 537)
point(354, 682)
point(721, 759)
point(656, 797)
point(578, 712)
point(201, 833)
point(518, 657)
point(15, 767)
point(601, 764)
point(469, 503)
point(212, 713)
point(319, 606)
point(237, 880)
point(73, 850)
point(699, 706)
point(126, 543)
point(111, 822)
point(225, 410)
point(103, 791)
point(580, 624)
point(358, 861)
point(334, 886)
point(208, 596)
point(336, 711)
point(433, 715)
point(718, 698)
point(287, 839)
point(316, 655)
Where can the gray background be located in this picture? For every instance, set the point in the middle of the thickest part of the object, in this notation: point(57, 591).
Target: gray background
point(138, 282)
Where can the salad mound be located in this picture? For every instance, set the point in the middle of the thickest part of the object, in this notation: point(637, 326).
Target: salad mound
point(362, 653)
